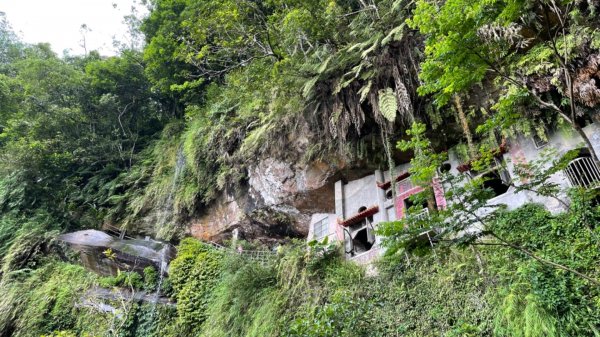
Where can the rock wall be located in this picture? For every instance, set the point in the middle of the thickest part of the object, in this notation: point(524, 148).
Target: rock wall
point(277, 202)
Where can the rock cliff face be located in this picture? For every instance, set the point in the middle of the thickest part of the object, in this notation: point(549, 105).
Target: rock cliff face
point(277, 202)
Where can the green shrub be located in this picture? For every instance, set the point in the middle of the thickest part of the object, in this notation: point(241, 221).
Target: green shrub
point(245, 303)
point(27, 240)
point(482, 290)
point(557, 302)
point(123, 279)
point(40, 301)
point(193, 275)
point(150, 278)
point(61, 334)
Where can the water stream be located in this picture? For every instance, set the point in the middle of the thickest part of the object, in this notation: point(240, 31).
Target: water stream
point(166, 228)
point(165, 214)
point(161, 275)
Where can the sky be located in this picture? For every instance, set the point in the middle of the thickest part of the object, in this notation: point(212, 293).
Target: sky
point(59, 23)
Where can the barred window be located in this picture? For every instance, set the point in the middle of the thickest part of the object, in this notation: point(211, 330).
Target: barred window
point(583, 172)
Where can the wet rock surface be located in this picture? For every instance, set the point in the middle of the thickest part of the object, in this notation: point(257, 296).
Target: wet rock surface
point(127, 255)
point(105, 300)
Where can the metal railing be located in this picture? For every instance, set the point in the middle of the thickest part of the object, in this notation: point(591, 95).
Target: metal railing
point(421, 215)
point(583, 172)
point(117, 232)
point(262, 256)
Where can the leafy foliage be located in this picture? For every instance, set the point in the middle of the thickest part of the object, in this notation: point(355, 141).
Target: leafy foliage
point(551, 255)
point(146, 139)
point(131, 280)
point(40, 301)
point(528, 51)
point(193, 275)
point(388, 104)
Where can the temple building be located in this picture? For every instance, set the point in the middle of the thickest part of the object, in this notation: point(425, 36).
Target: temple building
point(361, 204)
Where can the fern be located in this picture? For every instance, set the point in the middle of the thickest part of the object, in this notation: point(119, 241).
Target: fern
point(364, 91)
point(375, 43)
point(388, 104)
point(324, 65)
point(359, 46)
point(309, 86)
point(395, 34)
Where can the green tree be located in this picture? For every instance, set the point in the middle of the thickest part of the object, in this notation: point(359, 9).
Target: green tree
point(529, 51)
point(469, 218)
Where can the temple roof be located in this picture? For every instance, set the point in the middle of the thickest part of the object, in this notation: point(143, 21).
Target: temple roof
point(359, 216)
point(387, 184)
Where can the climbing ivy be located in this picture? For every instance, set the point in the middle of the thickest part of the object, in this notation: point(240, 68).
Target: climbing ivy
point(193, 275)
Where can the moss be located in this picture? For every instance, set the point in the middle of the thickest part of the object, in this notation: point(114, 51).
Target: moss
point(123, 279)
point(193, 276)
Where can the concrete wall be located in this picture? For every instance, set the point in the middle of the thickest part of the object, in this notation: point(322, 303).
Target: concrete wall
point(522, 149)
point(364, 192)
point(360, 193)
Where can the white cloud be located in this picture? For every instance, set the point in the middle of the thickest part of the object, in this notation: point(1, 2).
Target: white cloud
point(59, 21)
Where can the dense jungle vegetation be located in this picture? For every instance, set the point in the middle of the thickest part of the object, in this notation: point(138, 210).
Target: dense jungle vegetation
point(145, 140)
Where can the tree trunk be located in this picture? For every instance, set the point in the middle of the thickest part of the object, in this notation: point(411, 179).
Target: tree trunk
point(465, 126)
point(587, 141)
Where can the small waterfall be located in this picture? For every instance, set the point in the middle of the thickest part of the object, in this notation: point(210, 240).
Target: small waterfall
point(165, 213)
point(166, 229)
point(162, 272)
point(161, 275)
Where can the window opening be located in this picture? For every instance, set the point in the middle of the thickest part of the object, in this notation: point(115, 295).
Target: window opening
point(445, 167)
point(423, 211)
point(409, 203)
point(582, 171)
point(321, 228)
point(540, 141)
point(363, 240)
point(493, 181)
point(583, 120)
point(496, 178)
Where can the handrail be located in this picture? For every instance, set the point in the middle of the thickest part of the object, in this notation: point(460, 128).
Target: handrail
point(256, 255)
point(262, 256)
point(110, 228)
point(421, 215)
